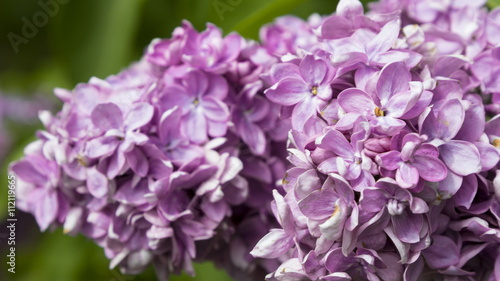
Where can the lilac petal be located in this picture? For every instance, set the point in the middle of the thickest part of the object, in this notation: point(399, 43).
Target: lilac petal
point(25, 171)
point(401, 103)
point(489, 155)
point(253, 136)
point(408, 57)
point(445, 66)
point(336, 27)
point(275, 244)
point(389, 160)
point(419, 107)
point(313, 70)
point(465, 195)
point(335, 141)
point(307, 183)
point(319, 204)
point(349, 59)
point(139, 115)
point(46, 207)
point(169, 124)
point(288, 91)
point(442, 253)
point(450, 119)
point(388, 125)
point(138, 162)
point(175, 95)
point(450, 185)
point(215, 109)
point(407, 176)
point(107, 116)
point(302, 112)
point(385, 39)
point(474, 123)
point(337, 262)
point(350, 171)
point(430, 168)
point(195, 126)
point(418, 206)
point(158, 232)
point(373, 200)
point(394, 79)
point(403, 248)
point(407, 226)
point(461, 157)
point(97, 183)
point(290, 270)
point(349, 9)
point(333, 227)
point(414, 271)
point(393, 271)
point(328, 166)
point(280, 71)
point(218, 87)
point(216, 129)
point(356, 100)
point(101, 147)
point(116, 164)
point(196, 83)
point(348, 121)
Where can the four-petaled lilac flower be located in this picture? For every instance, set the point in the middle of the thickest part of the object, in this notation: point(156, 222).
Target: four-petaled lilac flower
point(200, 96)
point(307, 90)
point(119, 133)
point(415, 160)
point(396, 99)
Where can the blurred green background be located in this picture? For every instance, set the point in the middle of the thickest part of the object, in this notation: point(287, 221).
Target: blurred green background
point(86, 38)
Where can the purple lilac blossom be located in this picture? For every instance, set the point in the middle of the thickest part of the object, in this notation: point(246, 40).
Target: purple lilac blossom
point(167, 162)
point(395, 170)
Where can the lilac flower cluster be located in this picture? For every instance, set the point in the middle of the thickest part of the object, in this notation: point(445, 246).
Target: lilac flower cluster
point(173, 159)
point(395, 144)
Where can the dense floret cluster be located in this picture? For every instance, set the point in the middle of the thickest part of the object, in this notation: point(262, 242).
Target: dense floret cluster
point(394, 143)
point(393, 125)
point(165, 162)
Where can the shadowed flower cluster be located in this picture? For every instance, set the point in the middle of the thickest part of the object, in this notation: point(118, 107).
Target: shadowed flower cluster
point(394, 145)
point(167, 161)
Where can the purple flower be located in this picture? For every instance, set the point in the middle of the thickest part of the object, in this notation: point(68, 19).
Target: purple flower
point(200, 96)
point(307, 89)
point(415, 160)
point(441, 126)
point(396, 99)
point(351, 162)
point(209, 51)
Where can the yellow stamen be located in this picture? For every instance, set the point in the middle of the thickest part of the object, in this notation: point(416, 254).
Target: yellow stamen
point(336, 211)
point(81, 161)
point(196, 102)
point(314, 90)
point(496, 143)
point(284, 181)
point(379, 112)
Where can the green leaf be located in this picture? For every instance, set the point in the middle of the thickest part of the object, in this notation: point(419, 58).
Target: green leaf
point(96, 38)
point(268, 11)
point(493, 3)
